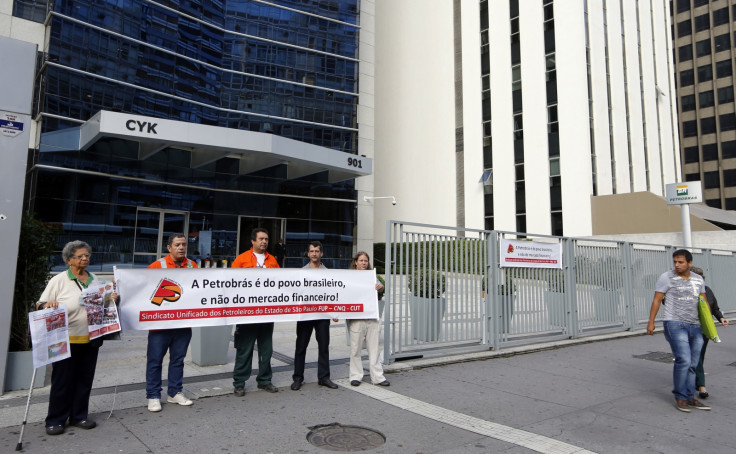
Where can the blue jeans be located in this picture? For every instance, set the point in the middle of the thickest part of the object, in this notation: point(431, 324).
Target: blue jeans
point(176, 341)
point(686, 340)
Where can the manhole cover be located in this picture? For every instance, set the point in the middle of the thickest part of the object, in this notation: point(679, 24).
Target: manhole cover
point(660, 357)
point(336, 437)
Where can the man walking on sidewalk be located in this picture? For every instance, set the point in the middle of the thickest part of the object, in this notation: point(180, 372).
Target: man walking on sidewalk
point(321, 330)
point(246, 335)
point(680, 289)
point(175, 340)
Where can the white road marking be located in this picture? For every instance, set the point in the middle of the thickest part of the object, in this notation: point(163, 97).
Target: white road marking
point(518, 437)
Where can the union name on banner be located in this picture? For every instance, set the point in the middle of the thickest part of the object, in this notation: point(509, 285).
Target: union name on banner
point(189, 297)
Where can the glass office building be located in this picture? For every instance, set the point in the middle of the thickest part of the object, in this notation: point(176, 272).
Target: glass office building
point(286, 68)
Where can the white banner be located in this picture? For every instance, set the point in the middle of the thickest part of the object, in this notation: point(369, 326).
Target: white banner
point(177, 298)
point(49, 335)
point(530, 254)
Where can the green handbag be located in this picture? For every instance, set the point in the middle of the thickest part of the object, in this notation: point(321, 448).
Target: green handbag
point(706, 321)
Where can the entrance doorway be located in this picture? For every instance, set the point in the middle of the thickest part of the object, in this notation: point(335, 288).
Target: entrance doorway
point(276, 228)
point(152, 230)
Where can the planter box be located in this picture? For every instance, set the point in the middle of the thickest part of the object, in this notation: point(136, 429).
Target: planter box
point(210, 344)
point(555, 302)
point(606, 305)
point(19, 370)
point(426, 317)
point(507, 311)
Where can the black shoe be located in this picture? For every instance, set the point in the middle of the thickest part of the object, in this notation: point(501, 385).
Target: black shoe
point(85, 424)
point(384, 383)
point(703, 394)
point(355, 382)
point(296, 385)
point(327, 382)
point(54, 430)
point(239, 391)
point(269, 387)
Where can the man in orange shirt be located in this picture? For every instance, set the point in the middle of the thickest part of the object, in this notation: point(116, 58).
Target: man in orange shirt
point(246, 335)
point(175, 340)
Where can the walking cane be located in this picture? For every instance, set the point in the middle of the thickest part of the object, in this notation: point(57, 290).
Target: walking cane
point(19, 446)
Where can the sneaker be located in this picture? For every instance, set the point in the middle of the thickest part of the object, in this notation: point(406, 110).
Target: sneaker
point(239, 391)
point(695, 403)
point(85, 424)
point(154, 405)
point(179, 399)
point(54, 430)
point(682, 405)
point(269, 387)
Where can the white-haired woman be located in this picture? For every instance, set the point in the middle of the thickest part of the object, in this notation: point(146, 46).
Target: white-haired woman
point(71, 378)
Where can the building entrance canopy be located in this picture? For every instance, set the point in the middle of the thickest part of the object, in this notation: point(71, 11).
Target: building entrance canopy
point(255, 150)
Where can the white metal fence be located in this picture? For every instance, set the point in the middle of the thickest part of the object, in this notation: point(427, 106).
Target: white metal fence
point(437, 279)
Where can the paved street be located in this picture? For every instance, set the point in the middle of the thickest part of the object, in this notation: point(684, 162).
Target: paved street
point(568, 397)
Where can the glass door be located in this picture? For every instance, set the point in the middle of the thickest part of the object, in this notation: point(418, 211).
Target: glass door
point(152, 230)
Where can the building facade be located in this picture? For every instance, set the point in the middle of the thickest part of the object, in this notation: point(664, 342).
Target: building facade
point(209, 117)
point(704, 38)
point(511, 115)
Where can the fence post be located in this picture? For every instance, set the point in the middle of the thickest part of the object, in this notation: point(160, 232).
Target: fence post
point(492, 271)
point(570, 286)
point(389, 272)
point(629, 304)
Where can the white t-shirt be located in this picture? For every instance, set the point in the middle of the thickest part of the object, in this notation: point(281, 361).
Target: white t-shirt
point(261, 259)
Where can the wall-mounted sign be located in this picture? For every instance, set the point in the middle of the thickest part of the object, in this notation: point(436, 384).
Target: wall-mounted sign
point(681, 193)
point(10, 125)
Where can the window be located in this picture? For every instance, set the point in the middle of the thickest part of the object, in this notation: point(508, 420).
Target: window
point(705, 99)
point(723, 68)
point(687, 103)
point(730, 203)
point(710, 152)
point(700, 3)
point(691, 155)
point(725, 95)
point(687, 77)
point(705, 73)
point(685, 28)
point(729, 180)
point(711, 180)
point(708, 125)
point(689, 128)
point(702, 48)
point(702, 22)
point(727, 122)
point(720, 16)
point(722, 42)
point(728, 149)
point(692, 177)
point(685, 52)
point(714, 203)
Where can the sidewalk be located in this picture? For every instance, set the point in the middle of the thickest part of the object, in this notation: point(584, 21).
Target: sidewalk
point(565, 397)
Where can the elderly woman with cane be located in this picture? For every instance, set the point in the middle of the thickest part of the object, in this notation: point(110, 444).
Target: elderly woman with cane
point(71, 378)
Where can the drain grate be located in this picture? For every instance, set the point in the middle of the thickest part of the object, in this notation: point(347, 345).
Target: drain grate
point(336, 437)
point(660, 357)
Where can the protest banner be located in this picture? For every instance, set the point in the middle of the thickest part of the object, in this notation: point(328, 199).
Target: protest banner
point(102, 314)
point(176, 298)
point(530, 254)
point(49, 335)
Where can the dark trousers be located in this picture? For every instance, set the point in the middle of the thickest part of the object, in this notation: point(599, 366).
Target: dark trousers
point(71, 383)
point(699, 371)
point(245, 339)
point(304, 330)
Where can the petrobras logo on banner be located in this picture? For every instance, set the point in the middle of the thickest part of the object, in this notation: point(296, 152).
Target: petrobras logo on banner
point(9, 125)
point(167, 290)
point(682, 193)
